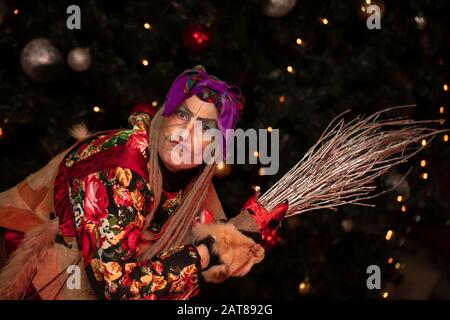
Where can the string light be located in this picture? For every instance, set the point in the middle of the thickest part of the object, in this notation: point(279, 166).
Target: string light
point(389, 235)
point(1, 132)
point(363, 8)
point(269, 129)
point(290, 69)
point(423, 163)
point(304, 287)
point(385, 295)
point(299, 41)
point(397, 265)
point(147, 26)
point(390, 260)
point(365, 12)
point(144, 62)
point(261, 171)
point(222, 170)
point(282, 99)
point(399, 198)
point(441, 109)
point(154, 103)
point(16, 11)
point(445, 138)
point(256, 154)
point(445, 86)
point(221, 165)
point(404, 208)
point(424, 142)
point(324, 21)
point(96, 109)
point(424, 176)
point(257, 188)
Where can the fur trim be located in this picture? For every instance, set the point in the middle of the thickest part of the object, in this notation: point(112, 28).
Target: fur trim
point(17, 274)
point(238, 253)
point(79, 131)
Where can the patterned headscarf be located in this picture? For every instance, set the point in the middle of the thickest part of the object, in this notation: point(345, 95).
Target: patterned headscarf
point(228, 99)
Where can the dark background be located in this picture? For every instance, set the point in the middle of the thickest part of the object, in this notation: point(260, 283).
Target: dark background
point(335, 66)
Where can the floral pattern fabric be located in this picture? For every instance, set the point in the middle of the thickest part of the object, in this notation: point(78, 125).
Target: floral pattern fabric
point(109, 207)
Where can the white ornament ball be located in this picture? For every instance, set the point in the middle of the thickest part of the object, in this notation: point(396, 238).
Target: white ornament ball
point(279, 8)
point(40, 60)
point(79, 59)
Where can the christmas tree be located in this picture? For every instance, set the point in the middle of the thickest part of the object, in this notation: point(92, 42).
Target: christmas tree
point(299, 64)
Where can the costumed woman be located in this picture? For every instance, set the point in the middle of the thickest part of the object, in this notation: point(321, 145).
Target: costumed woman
point(114, 217)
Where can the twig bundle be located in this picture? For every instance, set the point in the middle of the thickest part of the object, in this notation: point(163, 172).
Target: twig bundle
point(341, 167)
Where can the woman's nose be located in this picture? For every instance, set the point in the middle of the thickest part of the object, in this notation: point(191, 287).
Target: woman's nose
point(187, 131)
point(195, 130)
point(190, 125)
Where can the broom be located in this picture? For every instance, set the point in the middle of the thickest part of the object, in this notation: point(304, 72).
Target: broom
point(341, 167)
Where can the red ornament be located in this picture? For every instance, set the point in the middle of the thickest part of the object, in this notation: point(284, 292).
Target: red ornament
point(197, 37)
point(270, 239)
point(144, 107)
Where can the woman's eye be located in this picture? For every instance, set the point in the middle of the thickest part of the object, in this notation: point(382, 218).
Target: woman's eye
point(205, 127)
point(182, 115)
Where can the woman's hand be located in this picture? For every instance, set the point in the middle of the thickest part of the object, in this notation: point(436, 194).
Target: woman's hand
point(257, 222)
point(232, 254)
point(265, 219)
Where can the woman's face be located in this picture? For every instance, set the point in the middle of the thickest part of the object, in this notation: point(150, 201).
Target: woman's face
point(183, 133)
